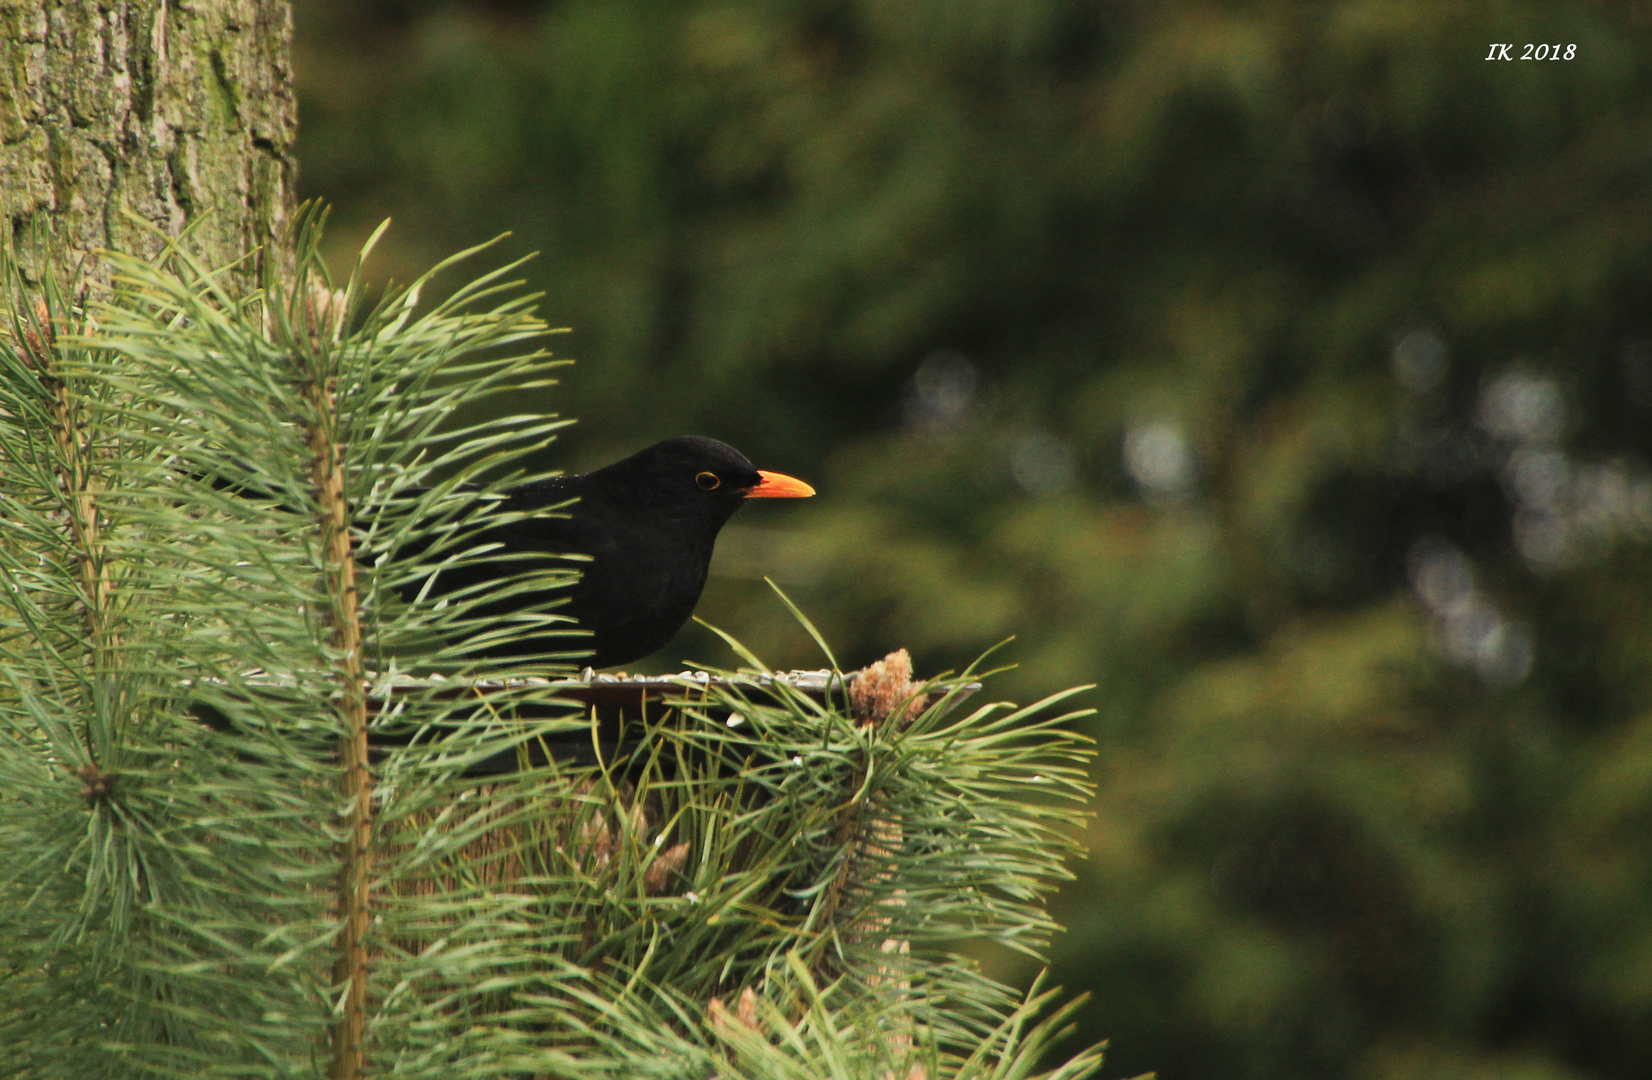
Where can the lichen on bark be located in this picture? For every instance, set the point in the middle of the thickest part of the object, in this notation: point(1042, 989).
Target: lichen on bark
point(170, 112)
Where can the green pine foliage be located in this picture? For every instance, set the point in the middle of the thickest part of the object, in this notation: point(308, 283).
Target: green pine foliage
point(212, 505)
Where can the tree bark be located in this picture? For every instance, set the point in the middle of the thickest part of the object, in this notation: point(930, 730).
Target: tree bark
point(177, 112)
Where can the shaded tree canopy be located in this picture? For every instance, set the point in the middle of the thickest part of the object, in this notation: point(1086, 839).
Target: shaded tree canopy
point(1284, 369)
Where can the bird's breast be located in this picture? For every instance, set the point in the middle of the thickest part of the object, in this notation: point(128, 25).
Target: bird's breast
point(646, 576)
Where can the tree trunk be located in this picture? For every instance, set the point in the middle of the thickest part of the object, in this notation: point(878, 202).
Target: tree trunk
point(168, 111)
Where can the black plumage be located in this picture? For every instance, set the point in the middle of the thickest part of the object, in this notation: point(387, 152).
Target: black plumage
point(646, 524)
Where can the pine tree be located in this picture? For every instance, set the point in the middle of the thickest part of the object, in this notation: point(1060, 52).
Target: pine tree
point(244, 829)
point(125, 123)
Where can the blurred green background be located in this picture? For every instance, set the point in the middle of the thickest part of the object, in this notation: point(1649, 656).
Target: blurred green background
point(1284, 369)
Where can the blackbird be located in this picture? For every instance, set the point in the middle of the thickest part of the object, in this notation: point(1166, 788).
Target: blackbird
point(647, 525)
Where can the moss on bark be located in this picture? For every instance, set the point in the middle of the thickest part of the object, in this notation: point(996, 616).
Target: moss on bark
point(174, 110)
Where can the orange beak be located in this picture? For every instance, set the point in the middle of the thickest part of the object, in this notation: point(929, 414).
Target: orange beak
point(778, 486)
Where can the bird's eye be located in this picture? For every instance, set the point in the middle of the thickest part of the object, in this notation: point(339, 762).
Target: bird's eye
point(708, 481)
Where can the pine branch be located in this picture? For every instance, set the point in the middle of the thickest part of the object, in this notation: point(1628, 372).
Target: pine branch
point(318, 392)
point(883, 696)
point(268, 471)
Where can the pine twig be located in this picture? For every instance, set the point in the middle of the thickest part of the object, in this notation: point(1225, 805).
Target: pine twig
point(356, 853)
point(874, 696)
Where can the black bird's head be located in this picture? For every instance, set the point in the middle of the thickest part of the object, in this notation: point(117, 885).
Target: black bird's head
point(698, 478)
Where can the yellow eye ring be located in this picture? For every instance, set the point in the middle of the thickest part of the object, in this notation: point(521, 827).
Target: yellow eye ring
point(708, 481)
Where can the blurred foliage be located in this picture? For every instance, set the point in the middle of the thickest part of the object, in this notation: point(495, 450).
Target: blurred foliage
point(1286, 369)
